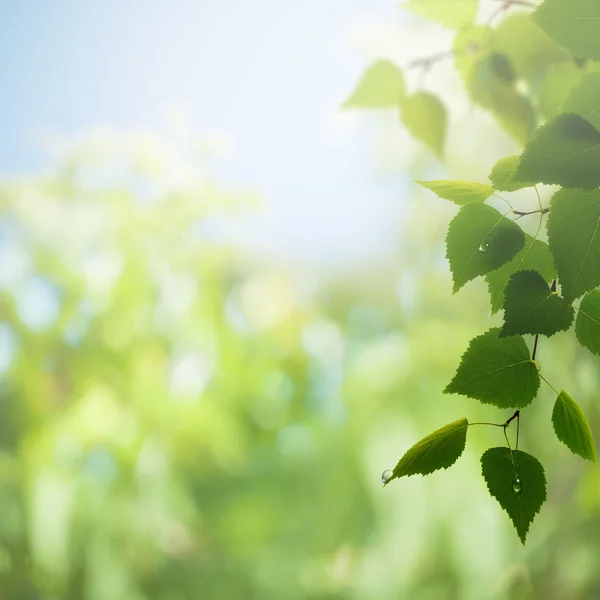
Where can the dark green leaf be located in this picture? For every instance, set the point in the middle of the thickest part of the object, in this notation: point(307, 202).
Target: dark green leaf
point(480, 240)
point(459, 192)
point(565, 151)
point(505, 471)
point(381, 86)
point(531, 307)
point(534, 256)
point(587, 324)
point(574, 239)
point(572, 428)
point(573, 24)
point(439, 450)
point(425, 117)
point(448, 13)
point(584, 99)
point(503, 175)
point(496, 371)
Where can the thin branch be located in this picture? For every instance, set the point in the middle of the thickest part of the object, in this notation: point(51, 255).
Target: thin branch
point(521, 213)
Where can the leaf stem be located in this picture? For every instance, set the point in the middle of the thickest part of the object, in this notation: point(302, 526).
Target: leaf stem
point(484, 423)
point(537, 193)
point(521, 213)
point(505, 200)
point(550, 385)
point(535, 344)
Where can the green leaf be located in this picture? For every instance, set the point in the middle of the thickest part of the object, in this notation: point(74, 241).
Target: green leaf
point(448, 13)
point(584, 99)
point(459, 192)
point(529, 49)
point(574, 240)
point(573, 24)
point(381, 86)
point(503, 175)
point(566, 151)
point(424, 115)
point(467, 46)
point(496, 371)
point(587, 324)
point(531, 307)
point(554, 90)
point(439, 450)
point(490, 86)
point(501, 468)
point(480, 240)
point(535, 256)
point(572, 428)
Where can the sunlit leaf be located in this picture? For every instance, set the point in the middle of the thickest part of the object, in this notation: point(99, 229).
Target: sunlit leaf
point(381, 86)
point(572, 428)
point(449, 13)
point(459, 192)
point(424, 115)
point(503, 175)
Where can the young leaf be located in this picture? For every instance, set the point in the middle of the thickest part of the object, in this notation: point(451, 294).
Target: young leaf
point(566, 151)
point(503, 175)
point(517, 480)
point(573, 24)
point(496, 371)
point(572, 428)
point(480, 240)
point(381, 86)
point(439, 450)
point(459, 192)
point(448, 13)
point(558, 82)
point(535, 256)
point(531, 307)
point(425, 117)
point(587, 324)
point(584, 100)
point(574, 239)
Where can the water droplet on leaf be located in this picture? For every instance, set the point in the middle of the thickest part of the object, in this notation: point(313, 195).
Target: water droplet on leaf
point(484, 247)
point(517, 486)
point(386, 476)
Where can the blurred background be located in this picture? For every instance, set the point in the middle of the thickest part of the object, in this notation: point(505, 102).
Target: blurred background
point(225, 310)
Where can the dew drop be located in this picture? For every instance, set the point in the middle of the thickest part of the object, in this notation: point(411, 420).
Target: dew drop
point(484, 247)
point(386, 476)
point(517, 486)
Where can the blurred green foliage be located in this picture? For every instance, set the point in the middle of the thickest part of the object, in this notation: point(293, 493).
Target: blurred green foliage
point(180, 419)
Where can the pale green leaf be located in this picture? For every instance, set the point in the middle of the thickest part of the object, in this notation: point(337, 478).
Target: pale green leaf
point(459, 192)
point(573, 24)
point(572, 428)
point(439, 450)
point(496, 371)
point(554, 90)
point(424, 115)
point(448, 13)
point(480, 240)
point(587, 324)
point(565, 151)
point(574, 240)
point(535, 256)
point(531, 307)
point(381, 86)
point(584, 99)
point(506, 471)
point(503, 175)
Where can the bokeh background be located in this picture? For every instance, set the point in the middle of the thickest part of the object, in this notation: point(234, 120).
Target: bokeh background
point(225, 310)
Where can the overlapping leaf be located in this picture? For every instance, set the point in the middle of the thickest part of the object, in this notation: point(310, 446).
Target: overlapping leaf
point(557, 83)
point(439, 450)
point(480, 240)
point(574, 239)
point(572, 428)
point(517, 480)
point(424, 115)
point(574, 24)
point(565, 151)
point(531, 307)
point(381, 86)
point(587, 324)
point(503, 175)
point(459, 192)
point(584, 99)
point(496, 371)
point(535, 256)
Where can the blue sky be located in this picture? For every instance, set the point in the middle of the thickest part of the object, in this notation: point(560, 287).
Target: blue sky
point(265, 73)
